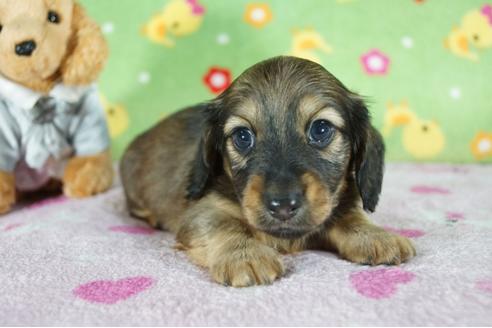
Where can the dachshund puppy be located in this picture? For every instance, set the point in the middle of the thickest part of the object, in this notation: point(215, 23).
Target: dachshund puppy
point(284, 160)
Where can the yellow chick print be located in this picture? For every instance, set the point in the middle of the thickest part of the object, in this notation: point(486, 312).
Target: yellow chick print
point(475, 30)
point(178, 18)
point(397, 115)
point(116, 116)
point(422, 139)
point(457, 43)
point(306, 43)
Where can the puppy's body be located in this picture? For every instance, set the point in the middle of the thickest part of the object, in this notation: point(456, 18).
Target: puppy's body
point(284, 160)
point(158, 194)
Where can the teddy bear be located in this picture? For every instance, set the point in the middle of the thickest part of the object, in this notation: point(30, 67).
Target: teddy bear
point(52, 124)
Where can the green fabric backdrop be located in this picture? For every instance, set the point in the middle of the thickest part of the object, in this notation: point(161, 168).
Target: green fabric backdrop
point(425, 65)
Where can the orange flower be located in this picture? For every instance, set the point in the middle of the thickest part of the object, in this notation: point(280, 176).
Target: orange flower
point(258, 14)
point(481, 145)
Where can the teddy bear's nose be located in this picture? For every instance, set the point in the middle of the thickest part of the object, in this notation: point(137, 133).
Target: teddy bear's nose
point(25, 48)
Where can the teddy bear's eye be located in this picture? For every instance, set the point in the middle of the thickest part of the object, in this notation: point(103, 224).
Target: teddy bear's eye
point(1, 28)
point(53, 17)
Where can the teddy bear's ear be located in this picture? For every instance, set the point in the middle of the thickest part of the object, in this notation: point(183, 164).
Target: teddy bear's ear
point(87, 50)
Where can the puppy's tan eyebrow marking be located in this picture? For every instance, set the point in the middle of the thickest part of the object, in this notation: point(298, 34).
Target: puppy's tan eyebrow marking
point(248, 109)
point(330, 114)
point(234, 122)
point(312, 108)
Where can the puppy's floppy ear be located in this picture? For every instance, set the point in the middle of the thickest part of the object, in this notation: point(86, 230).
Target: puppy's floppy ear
point(368, 158)
point(87, 50)
point(207, 163)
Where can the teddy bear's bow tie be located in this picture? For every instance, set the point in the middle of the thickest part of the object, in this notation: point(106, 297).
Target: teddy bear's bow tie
point(47, 108)
point(47, 136)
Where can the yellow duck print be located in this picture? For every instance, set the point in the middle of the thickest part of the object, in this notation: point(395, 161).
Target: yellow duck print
point(422, 139)
point(178, 18)
point(116, 116)
point(475, 30)
point(306, 43)
point(397, 115)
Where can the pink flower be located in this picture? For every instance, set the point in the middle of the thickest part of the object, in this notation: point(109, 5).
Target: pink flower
point(487, 11)
point(196, 8)
point(375, 62)
point(217, 79)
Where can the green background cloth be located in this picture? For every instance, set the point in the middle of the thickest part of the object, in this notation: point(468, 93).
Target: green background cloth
point(444, 91)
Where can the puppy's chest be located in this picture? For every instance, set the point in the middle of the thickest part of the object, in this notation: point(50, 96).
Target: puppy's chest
point(288, 246)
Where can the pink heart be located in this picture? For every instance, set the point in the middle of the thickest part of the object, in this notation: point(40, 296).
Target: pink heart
point(47, 202)
point(425, 190)
point(380, 283)
point(410, 233)
point(110, 292)
point(135, 230)
point(454, 216)
point(485, 285)
point(12, 226)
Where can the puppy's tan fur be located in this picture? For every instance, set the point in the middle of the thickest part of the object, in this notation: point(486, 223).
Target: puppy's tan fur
point(222, 224)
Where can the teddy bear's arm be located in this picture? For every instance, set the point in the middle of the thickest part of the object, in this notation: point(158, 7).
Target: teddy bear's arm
point(9, 156)
point(10, 140)
point(90, 135)
point(90, 172)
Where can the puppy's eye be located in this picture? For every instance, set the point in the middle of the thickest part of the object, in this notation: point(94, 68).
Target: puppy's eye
point(243, 139)
point(320, 133)
point(53, 17)
point(1, 28)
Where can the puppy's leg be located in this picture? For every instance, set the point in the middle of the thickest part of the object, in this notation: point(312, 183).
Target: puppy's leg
point(359, 241)
point(215, 238)
point(7, 191)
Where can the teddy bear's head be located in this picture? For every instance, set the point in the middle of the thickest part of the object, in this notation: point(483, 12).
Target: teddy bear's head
point(43, 42)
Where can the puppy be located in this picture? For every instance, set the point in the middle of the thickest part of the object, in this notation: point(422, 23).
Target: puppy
point(284, 160)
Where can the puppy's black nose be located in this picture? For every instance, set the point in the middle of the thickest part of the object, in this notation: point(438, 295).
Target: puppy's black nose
point(25, 48)
point(284, 208)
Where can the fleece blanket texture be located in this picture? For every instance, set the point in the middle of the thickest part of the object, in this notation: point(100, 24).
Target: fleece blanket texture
point(87, 262)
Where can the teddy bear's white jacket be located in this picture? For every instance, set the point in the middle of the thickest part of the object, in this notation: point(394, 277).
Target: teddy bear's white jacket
point(39, 132)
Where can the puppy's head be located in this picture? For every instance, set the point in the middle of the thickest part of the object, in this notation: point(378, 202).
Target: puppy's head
point(289, 137)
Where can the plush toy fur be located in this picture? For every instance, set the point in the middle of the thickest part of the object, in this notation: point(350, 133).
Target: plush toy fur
point(73, 52)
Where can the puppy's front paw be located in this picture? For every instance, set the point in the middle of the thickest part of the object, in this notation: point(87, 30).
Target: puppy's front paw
point(7, 192)
point(87, 176)
point(373, 245)
point(255, 264)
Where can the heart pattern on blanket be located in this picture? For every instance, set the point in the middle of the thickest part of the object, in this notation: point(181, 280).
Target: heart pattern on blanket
point(12, 226)
point(485, 285)
point(48, 202)
point(426, 190)
point(378, 284)
point(454, 216)
point(134, 230)
point(110, 291)
point(409, 233)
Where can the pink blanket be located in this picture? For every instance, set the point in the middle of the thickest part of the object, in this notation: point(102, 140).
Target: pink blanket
point(67, 262)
